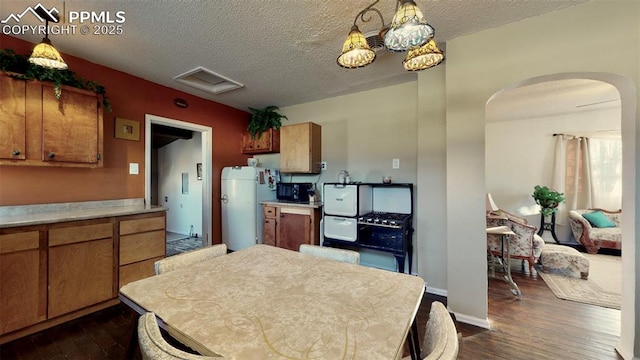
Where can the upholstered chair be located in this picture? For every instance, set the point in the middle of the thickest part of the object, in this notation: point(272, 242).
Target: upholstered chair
point(441, 339)
point(154, 347)
point(188, 258)
point(525, 245)
point(348, 256)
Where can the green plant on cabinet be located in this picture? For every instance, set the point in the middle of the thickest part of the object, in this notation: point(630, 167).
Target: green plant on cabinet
point(19, 67)
point(264, 119)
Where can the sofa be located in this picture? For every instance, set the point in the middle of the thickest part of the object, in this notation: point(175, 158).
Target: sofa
point(597, 228)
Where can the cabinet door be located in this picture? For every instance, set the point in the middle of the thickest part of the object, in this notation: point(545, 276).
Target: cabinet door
point(268, 142)
point(300, 148)
point(71, 126)
point(269, 231)
point(293, 230)
point(81, 267)
point(22, 281)
point(12, 118)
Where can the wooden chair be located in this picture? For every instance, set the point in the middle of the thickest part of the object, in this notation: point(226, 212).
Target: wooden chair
point(441, 340)
point(348, 256)
point(188, 258)
point(154, 347)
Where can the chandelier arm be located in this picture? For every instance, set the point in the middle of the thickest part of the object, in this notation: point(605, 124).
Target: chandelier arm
point(364, 11)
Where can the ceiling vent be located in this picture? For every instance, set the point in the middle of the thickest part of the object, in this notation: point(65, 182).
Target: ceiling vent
point(374, 41)
point(207, 80)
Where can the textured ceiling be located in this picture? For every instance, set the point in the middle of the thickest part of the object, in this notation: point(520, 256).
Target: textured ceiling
point(283, 51)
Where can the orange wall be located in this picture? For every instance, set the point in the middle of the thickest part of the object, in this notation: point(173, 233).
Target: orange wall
point(131, 98)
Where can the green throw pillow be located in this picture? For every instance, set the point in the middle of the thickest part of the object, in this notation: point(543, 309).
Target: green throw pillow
point(599, 219)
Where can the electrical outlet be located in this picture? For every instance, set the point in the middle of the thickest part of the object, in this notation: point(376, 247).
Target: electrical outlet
point(323, 165)
point(395, 164)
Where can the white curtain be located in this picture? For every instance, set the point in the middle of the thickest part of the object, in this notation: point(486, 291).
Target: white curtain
point(588, 171)
point(572, 174)
point(606, 172)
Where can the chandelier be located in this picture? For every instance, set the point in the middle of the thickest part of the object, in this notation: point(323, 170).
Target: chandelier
point(44, 54)
point(408, 31)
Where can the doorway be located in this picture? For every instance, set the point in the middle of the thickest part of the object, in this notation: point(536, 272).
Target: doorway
point(198, 171)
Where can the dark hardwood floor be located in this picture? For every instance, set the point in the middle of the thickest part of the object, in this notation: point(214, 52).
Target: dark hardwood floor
point(538, 327)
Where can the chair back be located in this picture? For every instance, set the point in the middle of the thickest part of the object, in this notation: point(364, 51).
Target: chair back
point(441, 338)
point(188, 258)
point(348, 256)
point(154, 347)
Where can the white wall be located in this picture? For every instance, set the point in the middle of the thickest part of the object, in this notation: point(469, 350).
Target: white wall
point(520, 154)
point(185, 210)
point(362, 133)
point(479, 65)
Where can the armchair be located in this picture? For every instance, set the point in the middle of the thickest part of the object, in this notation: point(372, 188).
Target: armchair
point(525, 245)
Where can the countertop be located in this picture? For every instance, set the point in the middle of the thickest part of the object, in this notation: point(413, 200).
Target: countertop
point(315, 205)
point(27, 215)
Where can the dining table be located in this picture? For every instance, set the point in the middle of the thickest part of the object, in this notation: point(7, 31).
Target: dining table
point(265, 302)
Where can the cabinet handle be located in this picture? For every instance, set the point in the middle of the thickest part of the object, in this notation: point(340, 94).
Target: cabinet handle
point(51, 155)
point(15, 152)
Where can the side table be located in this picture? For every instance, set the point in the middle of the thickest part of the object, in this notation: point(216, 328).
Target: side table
point(504, 232)
point(548, 226)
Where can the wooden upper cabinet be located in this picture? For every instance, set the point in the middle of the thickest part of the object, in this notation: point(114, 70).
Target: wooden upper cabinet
point(268, 142)
point(13, 100)
point(301, 148)
point(39, 130)
point(70, 125)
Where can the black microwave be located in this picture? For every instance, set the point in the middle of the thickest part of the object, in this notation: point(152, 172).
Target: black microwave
point(297, 192)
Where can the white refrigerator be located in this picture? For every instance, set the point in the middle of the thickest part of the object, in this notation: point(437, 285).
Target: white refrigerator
point(243, 188)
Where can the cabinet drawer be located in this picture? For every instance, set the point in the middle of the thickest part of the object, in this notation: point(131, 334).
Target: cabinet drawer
point(269, 211)
point(137, 271)
point(138, 247)
point(80, 233)
point(19, 241)
point(141, 225)
point(340, 228)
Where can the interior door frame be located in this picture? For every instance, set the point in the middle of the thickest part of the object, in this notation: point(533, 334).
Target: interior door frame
point(207, 166)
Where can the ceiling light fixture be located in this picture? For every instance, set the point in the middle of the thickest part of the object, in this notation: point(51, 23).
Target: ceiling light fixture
point(409, 31)
point(44, 54)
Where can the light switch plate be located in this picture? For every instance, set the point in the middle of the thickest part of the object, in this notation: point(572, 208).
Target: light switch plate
point(133, 169)
point(395, 164)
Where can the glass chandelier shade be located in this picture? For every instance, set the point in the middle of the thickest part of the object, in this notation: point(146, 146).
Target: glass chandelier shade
point(44, 54)
point(408, 29)
point(355, 51)
point(423, 57)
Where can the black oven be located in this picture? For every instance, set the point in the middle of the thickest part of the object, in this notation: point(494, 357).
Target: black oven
point(296, 192)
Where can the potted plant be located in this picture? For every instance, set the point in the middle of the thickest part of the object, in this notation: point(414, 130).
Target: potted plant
point(264, 119)
point(548, 199)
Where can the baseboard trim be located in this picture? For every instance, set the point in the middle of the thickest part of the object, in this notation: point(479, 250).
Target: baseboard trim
point(436, 291)
point(472, 320)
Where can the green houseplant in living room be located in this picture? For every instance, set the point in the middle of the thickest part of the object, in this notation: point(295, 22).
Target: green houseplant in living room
point(548, 199)
point(264, 119)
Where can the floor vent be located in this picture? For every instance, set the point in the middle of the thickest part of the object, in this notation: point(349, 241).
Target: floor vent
point(207, 80)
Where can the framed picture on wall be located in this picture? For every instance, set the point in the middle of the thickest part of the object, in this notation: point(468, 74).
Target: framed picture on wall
point(199, 171)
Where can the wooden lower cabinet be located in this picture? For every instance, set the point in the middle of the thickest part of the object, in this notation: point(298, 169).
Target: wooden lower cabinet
point(142, 243)
point(53, 273)
point(269, 225)
point(291, 225)
point(81, 263)
point(23, 276)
